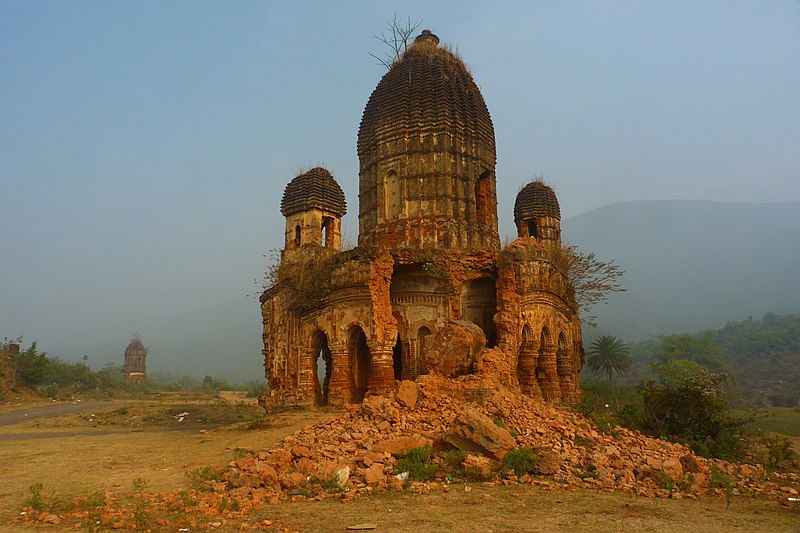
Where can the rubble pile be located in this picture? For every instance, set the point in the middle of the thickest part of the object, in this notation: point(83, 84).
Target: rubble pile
point(361, 450)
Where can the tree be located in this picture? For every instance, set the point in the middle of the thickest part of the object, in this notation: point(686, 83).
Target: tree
point(608, 356)
point(690, 406)
point(30, 366)
point(700, 348)
point(397, 37)
point(590, 278)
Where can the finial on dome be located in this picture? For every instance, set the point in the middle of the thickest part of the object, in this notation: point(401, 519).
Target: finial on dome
point(427, 37)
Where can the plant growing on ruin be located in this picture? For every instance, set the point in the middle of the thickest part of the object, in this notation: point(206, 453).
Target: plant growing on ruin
point(306, 272)
point(397, 37)
point(203, 478)
point(418, 462)
point(591, 279)
point(522, 461)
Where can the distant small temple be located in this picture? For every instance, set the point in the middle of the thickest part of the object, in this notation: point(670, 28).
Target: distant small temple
point(134, 367)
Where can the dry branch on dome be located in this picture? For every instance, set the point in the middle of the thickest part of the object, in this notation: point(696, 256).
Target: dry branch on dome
point(428, 288)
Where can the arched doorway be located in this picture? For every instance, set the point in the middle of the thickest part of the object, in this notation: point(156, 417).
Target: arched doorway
point(479, 304)
point(361, 360)
point(546, 368)
point(322, 366)
point(397, 359)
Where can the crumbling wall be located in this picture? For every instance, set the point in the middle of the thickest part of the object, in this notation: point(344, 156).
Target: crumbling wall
point(535, 310)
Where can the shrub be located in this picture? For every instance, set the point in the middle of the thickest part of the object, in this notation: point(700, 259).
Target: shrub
point(31, 366)
point(203, 478)
point(455, 459)
point(691, 407)
point(35, 501)
point(418, 462)
point(779, 451)
point(522, 461)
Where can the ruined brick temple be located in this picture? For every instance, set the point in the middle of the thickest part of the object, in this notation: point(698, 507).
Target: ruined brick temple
point(428, 288)
point(134, 363)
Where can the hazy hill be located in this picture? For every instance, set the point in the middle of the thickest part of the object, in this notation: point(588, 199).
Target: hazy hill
point(692, 264)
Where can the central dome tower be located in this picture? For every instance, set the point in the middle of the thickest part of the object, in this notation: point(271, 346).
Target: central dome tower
point(426, 153)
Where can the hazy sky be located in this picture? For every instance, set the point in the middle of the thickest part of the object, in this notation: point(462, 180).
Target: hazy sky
point(144, 146)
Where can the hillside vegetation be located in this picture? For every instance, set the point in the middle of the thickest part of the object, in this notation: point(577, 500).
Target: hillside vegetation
point(762, 357)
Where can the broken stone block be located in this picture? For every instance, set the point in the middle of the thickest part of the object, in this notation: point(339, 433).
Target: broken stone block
point(548, 462)
point(407, 393)
point(374, 474)
point(672, 467)
point(379, 407)
point(266, 472)
point(454, 348)
point(478, 467)
point(474, 432)
point(401, 445)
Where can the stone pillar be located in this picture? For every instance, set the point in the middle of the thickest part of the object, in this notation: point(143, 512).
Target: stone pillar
point(547, 374)
point(381, 377)
point(339, 392)
point(526, 372)
point(566, 378)
point(305, 381)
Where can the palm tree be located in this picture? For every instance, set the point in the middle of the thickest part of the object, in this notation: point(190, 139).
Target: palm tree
point(608, 356)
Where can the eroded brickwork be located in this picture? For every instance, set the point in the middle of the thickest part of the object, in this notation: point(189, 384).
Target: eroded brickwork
point(428, 289)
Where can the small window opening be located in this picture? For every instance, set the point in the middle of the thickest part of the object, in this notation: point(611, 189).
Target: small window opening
point(532, 230)
point(327, 234)
point(297, 235)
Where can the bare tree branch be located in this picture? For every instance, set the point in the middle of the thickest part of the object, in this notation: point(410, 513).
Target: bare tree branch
point(592, 279)
point(397, 37)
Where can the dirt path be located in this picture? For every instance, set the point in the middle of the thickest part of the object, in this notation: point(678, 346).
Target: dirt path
point(25, 413)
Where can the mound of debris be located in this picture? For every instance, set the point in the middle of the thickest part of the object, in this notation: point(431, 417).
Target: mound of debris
point(475, 430)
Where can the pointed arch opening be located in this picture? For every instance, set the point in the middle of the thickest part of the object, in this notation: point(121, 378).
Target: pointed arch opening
point(322, 365)
point(544, 344)
point(361, 361)
point(526, 361)
point(479, 305)
point(565, 369)
point(325, 231)
point(397, 359)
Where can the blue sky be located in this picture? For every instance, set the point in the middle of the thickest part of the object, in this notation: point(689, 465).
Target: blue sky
point(144, 146)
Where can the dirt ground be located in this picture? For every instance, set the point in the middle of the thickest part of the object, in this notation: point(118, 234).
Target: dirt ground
point(107, 447)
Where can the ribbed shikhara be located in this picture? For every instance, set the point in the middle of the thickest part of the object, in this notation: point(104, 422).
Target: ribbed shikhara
point(426, 151)
point(314, 189)
point(536, 200)
point(135, 348)
point(428, 90)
